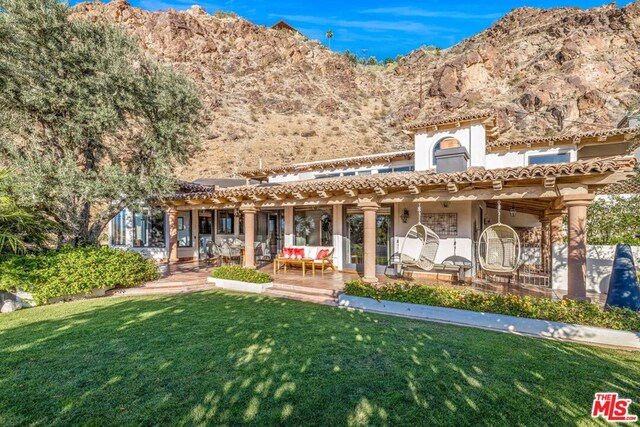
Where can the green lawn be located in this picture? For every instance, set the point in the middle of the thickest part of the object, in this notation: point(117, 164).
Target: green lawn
point(221, 358)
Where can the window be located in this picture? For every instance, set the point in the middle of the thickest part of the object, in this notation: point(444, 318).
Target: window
point(313, 226)
point(225, 222)
point(348, 174)
point(204, 223)
point(436, 147)
point(184, 229)
point(443, 224)
point(148, 228)
point(547, 159)
point(364, 173)
point(404, 169)
point(327, 175)
point(388, 170)
point(119, 229)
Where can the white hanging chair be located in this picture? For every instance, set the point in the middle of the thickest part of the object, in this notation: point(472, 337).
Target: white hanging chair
point(419, 247)
point(499, 248)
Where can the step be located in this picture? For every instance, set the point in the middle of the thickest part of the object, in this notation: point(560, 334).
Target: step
point(305, 289)
point(162, 283)
point(160, 290)
point(301, 296)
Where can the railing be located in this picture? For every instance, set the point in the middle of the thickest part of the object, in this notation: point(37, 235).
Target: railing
point(533, 270)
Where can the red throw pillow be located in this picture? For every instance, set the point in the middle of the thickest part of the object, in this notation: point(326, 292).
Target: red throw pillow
point(322, 253)
point(286, 252)
point(299, 252)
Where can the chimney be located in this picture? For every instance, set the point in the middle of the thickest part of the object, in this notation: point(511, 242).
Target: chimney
point(451, 156)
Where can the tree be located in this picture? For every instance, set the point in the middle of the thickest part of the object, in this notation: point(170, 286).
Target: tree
point(351, 56)
point(20, 228)
point(614, 220)
point(88, 123)
point(388, 61)
point(329, 37)
point(372, 60)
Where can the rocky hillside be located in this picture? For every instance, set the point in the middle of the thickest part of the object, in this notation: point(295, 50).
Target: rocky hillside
point(279, 97)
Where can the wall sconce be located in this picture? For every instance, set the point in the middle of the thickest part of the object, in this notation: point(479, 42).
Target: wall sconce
point(405, 215)
point(445, 204)
point(512, 211)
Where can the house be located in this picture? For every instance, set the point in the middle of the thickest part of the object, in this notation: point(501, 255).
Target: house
point(457, 180)
point(284, 26)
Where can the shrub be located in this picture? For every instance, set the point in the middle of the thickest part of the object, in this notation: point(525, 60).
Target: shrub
point(71, 271)
point(569, 311)
point(240, 274)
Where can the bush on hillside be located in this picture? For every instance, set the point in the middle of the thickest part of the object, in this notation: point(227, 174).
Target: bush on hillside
point(570, 311)
point(71, 271)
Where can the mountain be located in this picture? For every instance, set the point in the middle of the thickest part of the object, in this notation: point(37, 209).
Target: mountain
point(277, 97)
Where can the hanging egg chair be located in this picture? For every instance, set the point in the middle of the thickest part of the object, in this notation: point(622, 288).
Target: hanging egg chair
point(499, 248)
point(419, 247)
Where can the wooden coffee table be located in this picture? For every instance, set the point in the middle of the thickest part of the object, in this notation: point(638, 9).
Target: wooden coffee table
point(292, 261)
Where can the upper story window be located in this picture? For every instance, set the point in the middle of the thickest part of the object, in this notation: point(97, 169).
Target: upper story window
point(404, 169)
point(546, 159)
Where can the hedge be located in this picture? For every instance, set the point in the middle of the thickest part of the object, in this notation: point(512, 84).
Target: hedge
point(71, 271)
point(234, 272)
point(569, 311)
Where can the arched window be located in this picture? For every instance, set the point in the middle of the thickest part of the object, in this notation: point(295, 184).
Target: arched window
point(443, 143)
point(435, 148)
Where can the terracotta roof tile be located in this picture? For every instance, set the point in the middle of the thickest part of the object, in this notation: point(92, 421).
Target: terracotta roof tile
point(426, 178)
point(630, 186)
point(568, 138)
point(440, 121)
point(329, 164)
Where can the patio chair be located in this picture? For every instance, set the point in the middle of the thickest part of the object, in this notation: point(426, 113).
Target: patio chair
point(230, 254)
point(213, 252)
point(499, 248)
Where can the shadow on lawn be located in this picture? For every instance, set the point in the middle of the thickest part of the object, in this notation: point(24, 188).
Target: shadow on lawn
point(218, 358)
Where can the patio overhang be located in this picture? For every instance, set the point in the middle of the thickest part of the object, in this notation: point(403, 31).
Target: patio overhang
point(538, 184)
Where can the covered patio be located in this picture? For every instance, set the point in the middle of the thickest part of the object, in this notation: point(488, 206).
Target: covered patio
point(332, 283)
point(364, 219)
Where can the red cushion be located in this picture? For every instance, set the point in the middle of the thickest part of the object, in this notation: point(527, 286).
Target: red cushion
point(299, 253)
point(286, 252)
point(322, 253)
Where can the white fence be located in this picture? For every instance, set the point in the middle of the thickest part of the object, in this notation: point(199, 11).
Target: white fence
point(599, 263)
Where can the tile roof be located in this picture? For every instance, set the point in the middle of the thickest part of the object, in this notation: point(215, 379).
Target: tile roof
point(568, 138)
point(426, 178)
point(441, 121)
point(630, 186)
point(329, 164)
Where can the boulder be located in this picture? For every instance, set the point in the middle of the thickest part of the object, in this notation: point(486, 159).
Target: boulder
point(10, 306)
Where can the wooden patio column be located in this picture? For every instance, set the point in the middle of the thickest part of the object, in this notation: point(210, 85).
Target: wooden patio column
point(249, 236)
point(577, 258)
point(173, 234)
point(370, 210)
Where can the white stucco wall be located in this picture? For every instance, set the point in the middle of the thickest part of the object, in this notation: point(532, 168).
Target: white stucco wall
point(521, 157)
point(473, 138)
point(458, 248)
point(599, 264)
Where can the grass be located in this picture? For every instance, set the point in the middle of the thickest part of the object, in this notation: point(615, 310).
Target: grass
point(226, 359)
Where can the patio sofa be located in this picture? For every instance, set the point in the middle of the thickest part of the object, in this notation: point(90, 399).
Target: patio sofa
point(312, 252)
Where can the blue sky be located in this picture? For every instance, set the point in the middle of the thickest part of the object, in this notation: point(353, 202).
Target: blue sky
point(379, 28)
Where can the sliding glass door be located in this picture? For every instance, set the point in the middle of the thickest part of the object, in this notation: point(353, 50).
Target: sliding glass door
point(354, 237)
